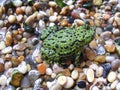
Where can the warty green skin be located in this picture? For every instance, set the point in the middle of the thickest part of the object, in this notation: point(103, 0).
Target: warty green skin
point(65, 44)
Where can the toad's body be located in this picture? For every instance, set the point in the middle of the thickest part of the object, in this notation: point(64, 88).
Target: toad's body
point(59, 45)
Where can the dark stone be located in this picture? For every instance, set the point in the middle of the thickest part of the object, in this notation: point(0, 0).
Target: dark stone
point(81, 84)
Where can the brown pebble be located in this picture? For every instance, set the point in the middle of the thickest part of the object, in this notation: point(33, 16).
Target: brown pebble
point(100, 58)
point(1, 67)
point(66, 72)
point(115, 64)
point(8, 38)
point(90, 54)
point(110, 48)
point(64, 22)
point(19, 10)
point(93, 44)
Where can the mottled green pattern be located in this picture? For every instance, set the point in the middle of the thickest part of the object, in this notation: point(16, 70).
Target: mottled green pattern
point(61, 45)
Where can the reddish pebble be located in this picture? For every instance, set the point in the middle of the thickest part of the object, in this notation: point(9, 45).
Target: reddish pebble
point(41, 68)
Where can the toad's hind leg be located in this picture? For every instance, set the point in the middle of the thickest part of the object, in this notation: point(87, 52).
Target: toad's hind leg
point(49, 55)
point(77, 58)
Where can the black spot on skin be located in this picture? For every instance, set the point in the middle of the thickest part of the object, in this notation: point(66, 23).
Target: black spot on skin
point(48, 44)
point(63, 41)
point(59, 36)
point(56, 45)
point(46, 58)
point(66, 47)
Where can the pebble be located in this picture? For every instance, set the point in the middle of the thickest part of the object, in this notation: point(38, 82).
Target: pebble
point(2, 45)
point(8, 38)
point(7, 65)
point(19, 10)
point(25, 83)
point(22, 67)
point(3, 80)
point(1, 23)
point(113, 1)
point(110, 48)
point(17, 3)
point(19, 46)
point(66, 72)
point(33, 75)
point(100, 58)
point(75, 74)
point(90, 75)
point(55, 86)
point(118, 76)
point(41, 68)
point(52, 18)
point(111, 76)
point(100, 50)
point(64, 22)
point(95, 88)
point(110, 58)
point(93, 44)
point(52, 3)
point(28, 10)
point(12, 19)
point(115, 64)
point(49, 71)
point(118, 86)
point(106, 35)
point(37, 84)
point(79, 22)
point(16, 78)
point(56, 68)
point(6, 50)
point(81, 84)
point(113, 85)
point(70, 83)
point(19, 17)
point(62, 80)
point(99, 71)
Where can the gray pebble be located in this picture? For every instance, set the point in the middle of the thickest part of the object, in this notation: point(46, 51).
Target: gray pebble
point(37, 84)
point(118, 86)
point(100, 50)
point(6, 50)
point(19, 47)
point(25, 83)
point(33, 75)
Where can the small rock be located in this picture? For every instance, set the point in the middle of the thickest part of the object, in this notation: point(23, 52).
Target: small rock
point(95, 88)
point(28, 10)
point(41, 68)
point(115, 64)
point(64, 22)
point(79, 22)
point(17, 3)
point(106, 35)
point(110, 58)
point(111, 76)
point(55, 86)
point(52, 3)
point(70, 83)
point(22, 67)
point(66, 72)
point(25, 83)
point(93, 44)
point(113, 1)
point(16, 78)
point(6, 50)
point(8, 38)
point(81, 84)
point(8, 65)
point(100, 58)
point(82, 76)
point(19, 18)
point(19, 47)
point(56, 68)
point(99, 71)
point(12, 19)
point(3, 80)
point(97, 2)
point(62, 80)
point(118, 76)
point(118, 86)
point(107, 67)
point(10, 87)
point(74, 74)
point(90, 75)
point(37, 84)
point(49, 71)
point(100, 50)
point(90, 54)
point(52, 18)
point(33, 75)
point(110, 48)
point(2, 45)
point(113, 85)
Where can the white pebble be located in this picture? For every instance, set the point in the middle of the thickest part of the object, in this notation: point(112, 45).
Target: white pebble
point(8, 65)
point(110, 58)
point(82, 15)
point(111, 76)
point(3, 80)
point(17, 3)
point(90, 75)
point(6, 50)
point(70, 83)
point(118, 86)
point(74, 74)
point(113, 85)
point(52, 3)
point(22, 67)
point(52, 18)
point(49, 71)
point(41, 25)
point(99, 71)
point(71, 67)
point(2, 45)
point(12, 19)
point(95, 88)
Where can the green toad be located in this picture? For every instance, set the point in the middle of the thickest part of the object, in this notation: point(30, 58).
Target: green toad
point(58, 46)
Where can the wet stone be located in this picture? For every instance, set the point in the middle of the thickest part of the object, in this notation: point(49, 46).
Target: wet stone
point(100, 50)
point(33, 75)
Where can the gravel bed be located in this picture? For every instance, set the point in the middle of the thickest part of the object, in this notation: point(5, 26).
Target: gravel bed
point(23, 21)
